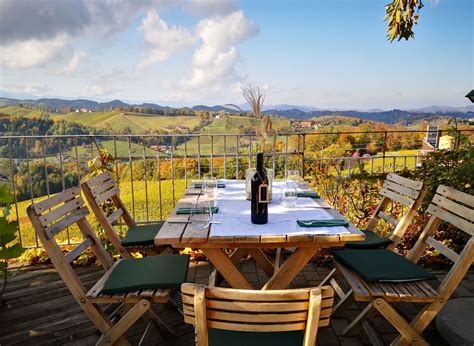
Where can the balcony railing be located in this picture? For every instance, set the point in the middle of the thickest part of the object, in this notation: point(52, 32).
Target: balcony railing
point(154, 170)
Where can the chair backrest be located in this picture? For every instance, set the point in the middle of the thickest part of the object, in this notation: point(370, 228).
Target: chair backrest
point(98, 190)
point(55, 214)
point(409, 193)
point(257, 311)
point(456, 208)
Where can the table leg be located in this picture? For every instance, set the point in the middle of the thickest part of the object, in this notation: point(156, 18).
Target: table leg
point(228, 270)
point(262, 261)
point(292, 266)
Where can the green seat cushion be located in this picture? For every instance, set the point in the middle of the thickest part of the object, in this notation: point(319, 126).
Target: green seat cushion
point(307, 194)
point(133, 274)
point(218, 337)
point(181, 211)
point(381, 265)
point(199, 185)
point(141, 235)
point(372, 241)
point(322, 223)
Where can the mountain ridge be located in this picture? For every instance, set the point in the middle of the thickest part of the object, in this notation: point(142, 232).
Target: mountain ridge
point(283, 110)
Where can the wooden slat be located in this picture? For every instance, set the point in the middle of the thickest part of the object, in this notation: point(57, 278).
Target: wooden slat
point(61, 211)
point(105, 196)
point(78, 250)
point(40, 207)
point(458, 196)
point(99, 179)
point(396, 197)
point(452, 255)
point(115, 215)
point(374, 289)
point(357, 284)
point(389, 291)
point(454, 207)
point(192, 235)
point(66, 222)
point(388, 218)
point(248, 295)
point(452, 219)
point(95, 290)
point(400, 189)
point(413, 184)
point(259, 318)
point(97, 190)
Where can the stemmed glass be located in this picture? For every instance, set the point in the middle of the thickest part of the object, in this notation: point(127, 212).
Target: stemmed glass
point(294, 175)
point(201, 215)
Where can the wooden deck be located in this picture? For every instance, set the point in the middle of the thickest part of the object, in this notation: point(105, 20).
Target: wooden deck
point(41, 311)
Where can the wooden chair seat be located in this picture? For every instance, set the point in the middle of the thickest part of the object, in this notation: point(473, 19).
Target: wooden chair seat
point(154, 295)
point(414, 292)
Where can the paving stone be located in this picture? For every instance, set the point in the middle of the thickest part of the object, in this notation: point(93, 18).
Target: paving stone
point(338, 325)
point(327, 337)
point(350, 341)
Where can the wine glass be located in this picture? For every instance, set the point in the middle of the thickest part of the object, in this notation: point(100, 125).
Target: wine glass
point(289, 194)
point(201, 215)
point(294, 175)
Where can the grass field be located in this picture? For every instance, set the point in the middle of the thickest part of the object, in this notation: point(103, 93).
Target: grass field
point(138, 124)
point(137, 208)
point(229, 125)
point(21, 112)
point(122, 148)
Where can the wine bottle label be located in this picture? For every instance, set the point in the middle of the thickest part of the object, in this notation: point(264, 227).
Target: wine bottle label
point(263, 195)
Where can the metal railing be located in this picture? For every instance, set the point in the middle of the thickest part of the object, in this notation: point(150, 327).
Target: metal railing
point(154, 170)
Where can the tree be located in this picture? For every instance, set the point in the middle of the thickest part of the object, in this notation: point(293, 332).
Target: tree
point(402, 15)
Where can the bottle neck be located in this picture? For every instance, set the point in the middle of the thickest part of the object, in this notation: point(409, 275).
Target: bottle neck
point(259, 163)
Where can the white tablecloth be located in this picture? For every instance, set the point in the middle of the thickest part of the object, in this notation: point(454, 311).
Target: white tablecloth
point(234, 215)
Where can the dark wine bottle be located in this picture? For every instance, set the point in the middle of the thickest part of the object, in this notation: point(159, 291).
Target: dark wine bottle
point(259, 192)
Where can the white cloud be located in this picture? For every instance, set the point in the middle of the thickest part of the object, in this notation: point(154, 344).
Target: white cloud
point(73, 62)
point(162, 40)
point(32, 52)
point(214, 63)
point(35, 89)
point(94, 90)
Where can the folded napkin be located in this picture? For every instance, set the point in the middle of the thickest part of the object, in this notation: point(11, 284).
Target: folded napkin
point(199, 185)
point(322, 223)
point(196, 210)
point(308, 194)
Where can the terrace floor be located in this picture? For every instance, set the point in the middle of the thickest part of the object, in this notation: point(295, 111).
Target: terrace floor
point(41, 311)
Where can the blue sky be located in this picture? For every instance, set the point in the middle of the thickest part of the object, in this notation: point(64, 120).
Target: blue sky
point(322, 53)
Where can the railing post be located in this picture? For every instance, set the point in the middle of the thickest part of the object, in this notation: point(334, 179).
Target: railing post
point(384, 148)
point(302, 157)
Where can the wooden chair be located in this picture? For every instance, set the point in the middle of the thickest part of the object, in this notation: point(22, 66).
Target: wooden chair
point(448, 205)
point(409, 194)
point(226, 316)
point(55, 214)
point(102, 188)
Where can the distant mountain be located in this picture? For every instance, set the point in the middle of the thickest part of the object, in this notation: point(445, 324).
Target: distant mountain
point(283, 110)
point(214, 109)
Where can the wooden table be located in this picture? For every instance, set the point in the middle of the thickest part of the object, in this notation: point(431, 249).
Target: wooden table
point(180, 234)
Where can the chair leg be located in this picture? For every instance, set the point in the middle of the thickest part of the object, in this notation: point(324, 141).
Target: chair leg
point(278, 258)
point(125, 323)
point(328, 277)
point(159, 323)
point(341, 306)
point(399, 323)
point(355, 326)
